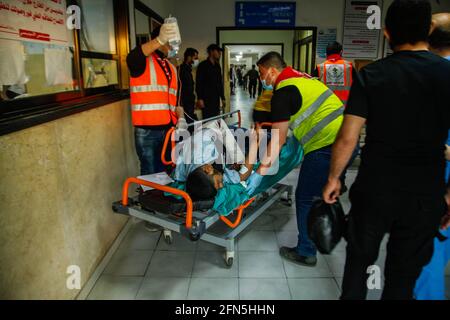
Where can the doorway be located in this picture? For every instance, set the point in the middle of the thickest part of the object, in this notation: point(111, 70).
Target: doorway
point(238, 60)
point(304, 58)
point(296, 45)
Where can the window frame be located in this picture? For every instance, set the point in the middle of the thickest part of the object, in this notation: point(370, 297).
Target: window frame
point(23, 113)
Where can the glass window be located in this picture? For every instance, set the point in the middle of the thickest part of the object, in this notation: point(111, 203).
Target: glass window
point(31, 69)
point(98, 44)
point(99, 72)
point(97, 33)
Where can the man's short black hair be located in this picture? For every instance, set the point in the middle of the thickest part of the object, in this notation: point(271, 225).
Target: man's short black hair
point(213, 47)
point(334, 48)
point(408, 21)
point(272, 60)
point(200, 185)
point(190, 52)
point(440, 37)
point(253, 66)
point(155, 32)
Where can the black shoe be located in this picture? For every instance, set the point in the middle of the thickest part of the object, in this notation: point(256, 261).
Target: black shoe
point(292, 255)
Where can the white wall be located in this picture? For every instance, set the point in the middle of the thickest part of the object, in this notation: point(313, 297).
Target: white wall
point(198, 19)
point(162, 7)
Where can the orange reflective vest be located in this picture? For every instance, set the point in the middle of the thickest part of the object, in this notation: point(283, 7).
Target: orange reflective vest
point(336, 74)
point(153, 99)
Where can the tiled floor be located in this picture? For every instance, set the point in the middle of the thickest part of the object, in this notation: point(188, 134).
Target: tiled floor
point(145, 267)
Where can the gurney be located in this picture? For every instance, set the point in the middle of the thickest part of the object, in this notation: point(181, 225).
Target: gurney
point(194, 219)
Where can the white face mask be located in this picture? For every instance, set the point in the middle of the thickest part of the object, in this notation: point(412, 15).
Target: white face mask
point(195, 63)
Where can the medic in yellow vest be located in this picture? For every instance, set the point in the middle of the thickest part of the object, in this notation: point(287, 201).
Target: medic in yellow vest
point(314, 114)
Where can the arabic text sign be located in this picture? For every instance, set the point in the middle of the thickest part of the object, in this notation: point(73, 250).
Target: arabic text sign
point(265, 14)
point(34, 20)
point(359, 40)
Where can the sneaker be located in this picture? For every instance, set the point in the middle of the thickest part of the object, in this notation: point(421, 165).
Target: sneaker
point(292, 255)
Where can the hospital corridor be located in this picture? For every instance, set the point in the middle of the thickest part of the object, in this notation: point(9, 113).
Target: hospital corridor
point(224, 159)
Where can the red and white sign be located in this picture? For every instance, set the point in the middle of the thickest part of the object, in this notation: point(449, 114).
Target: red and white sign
point(34, 20)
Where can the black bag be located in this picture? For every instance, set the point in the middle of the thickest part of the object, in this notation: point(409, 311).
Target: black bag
point(326, 225)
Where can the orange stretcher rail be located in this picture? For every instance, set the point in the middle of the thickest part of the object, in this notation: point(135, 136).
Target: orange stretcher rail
point(239, 217)
point(184, 195)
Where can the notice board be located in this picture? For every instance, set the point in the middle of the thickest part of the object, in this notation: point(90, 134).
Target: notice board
point(34, 20)
point(360, 42)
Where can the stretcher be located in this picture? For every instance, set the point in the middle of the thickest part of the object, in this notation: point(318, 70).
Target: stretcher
point(194, 219)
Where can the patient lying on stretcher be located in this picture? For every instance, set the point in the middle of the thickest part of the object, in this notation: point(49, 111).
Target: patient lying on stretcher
point(204, 182)
point(211, 158)
point(199, 172)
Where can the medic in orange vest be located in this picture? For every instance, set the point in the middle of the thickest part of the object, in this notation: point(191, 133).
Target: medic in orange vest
point(336, 73)
point(153, 95)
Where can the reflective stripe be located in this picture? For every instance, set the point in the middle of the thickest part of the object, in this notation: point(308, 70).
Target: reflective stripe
point(312, 108)
point(152, 71)
point(149, 88)
point(173, 91)
point(322, 124)
point(337, 88)
point(152, 107)
point(349, 75)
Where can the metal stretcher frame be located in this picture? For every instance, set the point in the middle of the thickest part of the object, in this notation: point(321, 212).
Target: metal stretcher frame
point(203, 225)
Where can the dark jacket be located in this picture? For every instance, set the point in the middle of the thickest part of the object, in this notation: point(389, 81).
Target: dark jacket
point(209, 87)
point(186, 97)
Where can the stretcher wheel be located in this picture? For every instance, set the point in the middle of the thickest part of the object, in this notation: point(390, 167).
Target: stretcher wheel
point(229, 258)
point(168, 239)
point(289, 202)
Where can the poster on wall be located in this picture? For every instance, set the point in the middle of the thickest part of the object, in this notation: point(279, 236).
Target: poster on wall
point(359, 41)
point(324, 37)
point(34, 20)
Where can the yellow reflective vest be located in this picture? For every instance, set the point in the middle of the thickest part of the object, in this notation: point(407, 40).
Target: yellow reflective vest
point(320, 117)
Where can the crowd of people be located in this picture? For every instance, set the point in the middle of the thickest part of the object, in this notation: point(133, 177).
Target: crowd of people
point(402, 100)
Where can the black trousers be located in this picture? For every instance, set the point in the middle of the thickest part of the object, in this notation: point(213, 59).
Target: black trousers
point(412, 222)
point(252, 89)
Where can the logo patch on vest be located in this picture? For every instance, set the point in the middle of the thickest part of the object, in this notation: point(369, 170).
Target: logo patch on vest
point(335, 75)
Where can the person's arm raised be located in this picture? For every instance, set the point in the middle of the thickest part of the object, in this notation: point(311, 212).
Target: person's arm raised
point(166, 33)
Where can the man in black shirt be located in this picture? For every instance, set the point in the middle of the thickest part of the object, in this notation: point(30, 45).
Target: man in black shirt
point(400, 184)
point(209, 83)
point(253, 77)
point(186, 84)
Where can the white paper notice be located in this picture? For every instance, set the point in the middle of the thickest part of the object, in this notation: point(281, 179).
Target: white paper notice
point(324, 37)
point(360, 41)
point(37, 21)
point(12, 63)
point(58, 66)
point(159, 178)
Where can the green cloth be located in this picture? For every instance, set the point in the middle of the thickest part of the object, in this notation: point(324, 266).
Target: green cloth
point(291, 155)
point(229, 198)
point(177, 185)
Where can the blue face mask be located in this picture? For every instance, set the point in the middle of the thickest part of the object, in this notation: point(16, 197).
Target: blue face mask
point(172, 53)
point(265, 86)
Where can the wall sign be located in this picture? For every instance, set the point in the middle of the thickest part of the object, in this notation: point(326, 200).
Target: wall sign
point(34, 20)
point(358, 40)
point(324, 37)
point(265, 14)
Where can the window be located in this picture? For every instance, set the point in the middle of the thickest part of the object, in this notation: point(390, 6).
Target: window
point(45, 67)
point(98, 44)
